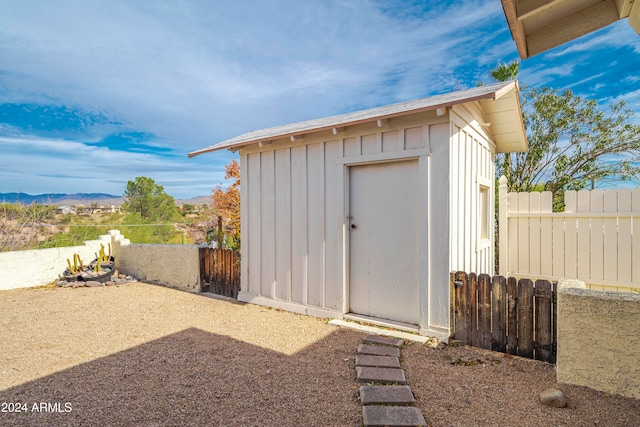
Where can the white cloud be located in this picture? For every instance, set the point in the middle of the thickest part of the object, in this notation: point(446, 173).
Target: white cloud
point(77, 167)
point(193, 72)
point(192, 61)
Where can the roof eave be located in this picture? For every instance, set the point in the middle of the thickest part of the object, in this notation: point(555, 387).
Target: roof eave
point(517, 31)
point(233, 146)
point(554, 30)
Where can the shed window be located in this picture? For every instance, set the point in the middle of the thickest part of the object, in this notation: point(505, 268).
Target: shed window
point(484, 212)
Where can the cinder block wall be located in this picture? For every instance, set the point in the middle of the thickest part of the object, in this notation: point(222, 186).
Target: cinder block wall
point(177, 266)
point(599, 340)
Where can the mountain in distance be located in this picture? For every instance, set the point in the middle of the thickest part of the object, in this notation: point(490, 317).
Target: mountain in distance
point(57, 199)
point(101, 199)
point(196, 201)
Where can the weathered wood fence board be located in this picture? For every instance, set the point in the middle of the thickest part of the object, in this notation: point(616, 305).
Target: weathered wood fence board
point(505, 315)
point(220, 271)
point(595, 239)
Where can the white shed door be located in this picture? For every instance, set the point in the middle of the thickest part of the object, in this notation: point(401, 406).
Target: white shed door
point(383, 246)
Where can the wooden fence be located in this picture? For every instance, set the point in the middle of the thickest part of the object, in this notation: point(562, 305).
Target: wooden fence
point(596, 239)
point(506, 315)
point(220, 271)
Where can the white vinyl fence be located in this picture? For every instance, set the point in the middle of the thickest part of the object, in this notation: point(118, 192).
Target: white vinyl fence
point(596, 239)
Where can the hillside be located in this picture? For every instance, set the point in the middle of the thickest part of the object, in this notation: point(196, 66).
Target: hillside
point(59, 199)
point(101, 199)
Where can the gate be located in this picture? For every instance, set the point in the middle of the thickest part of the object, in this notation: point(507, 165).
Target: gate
point(220, 271)
point(507, 315)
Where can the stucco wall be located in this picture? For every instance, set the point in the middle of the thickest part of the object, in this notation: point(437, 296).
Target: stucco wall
point(599, 340)
point(24, 269)
point(177, 266)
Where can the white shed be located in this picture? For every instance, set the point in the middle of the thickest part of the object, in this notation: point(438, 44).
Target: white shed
point(364, 215)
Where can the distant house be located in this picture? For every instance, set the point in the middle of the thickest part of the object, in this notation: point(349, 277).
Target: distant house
point(539, 25)
point(364, 215)
point(110, 209)
point(66, 210)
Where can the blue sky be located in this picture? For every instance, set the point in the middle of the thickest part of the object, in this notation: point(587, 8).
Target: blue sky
point(95, 93)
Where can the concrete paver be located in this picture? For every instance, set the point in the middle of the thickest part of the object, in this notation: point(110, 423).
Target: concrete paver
point(392, 416)
point(386, 395)
point(378, 350)
point(379, 361)
point(377, 339)
point(367, 374)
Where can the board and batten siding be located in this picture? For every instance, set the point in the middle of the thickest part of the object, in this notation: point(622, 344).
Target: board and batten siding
point(295, 243)
point(295, 204)
point(289, 232)
point(472, 167)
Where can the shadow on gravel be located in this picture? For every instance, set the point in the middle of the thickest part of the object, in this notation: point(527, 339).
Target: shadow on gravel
point(198, 378)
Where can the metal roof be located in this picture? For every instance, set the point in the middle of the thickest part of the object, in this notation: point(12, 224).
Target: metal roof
point(499, 100)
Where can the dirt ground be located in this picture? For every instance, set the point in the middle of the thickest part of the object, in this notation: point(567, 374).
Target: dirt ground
point(145, 355)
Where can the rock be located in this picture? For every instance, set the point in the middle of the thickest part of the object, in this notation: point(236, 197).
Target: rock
point(553, 397)
point(571, 283)
point(110, 283)
point(93, 284)
point(432, 342)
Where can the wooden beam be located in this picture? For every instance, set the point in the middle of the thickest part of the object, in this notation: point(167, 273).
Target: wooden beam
point(441, 111)
point(296, 137)
point(517, 32)
point(624, 7)
point(571, 27)
point(263, 143)
point(382, 122)
point(527, 8)
point(336, 131)
point(634, 16)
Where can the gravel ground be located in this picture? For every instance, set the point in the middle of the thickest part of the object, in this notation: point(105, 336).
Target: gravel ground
point(465, 386)
point(144, 355)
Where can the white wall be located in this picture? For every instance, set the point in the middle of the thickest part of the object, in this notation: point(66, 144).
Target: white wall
point(177, 266)
point(24, 269)
point(294, 209)
point(472, 166)
point(435, 304)
point(295, 203)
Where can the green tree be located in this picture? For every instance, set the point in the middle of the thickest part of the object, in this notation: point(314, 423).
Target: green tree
point(506, 72)
point(188, 209)
point(147, 199)
point(573, 142)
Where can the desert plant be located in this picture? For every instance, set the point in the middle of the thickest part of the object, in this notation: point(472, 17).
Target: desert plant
point(77, 264)
point(20, 225)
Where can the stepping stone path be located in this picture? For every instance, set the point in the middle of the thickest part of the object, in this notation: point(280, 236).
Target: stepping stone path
point(385, 398)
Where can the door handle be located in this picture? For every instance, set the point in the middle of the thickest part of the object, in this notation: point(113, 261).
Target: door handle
point(353, 226)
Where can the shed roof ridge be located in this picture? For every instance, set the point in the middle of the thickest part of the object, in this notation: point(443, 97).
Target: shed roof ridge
point(491, 91)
